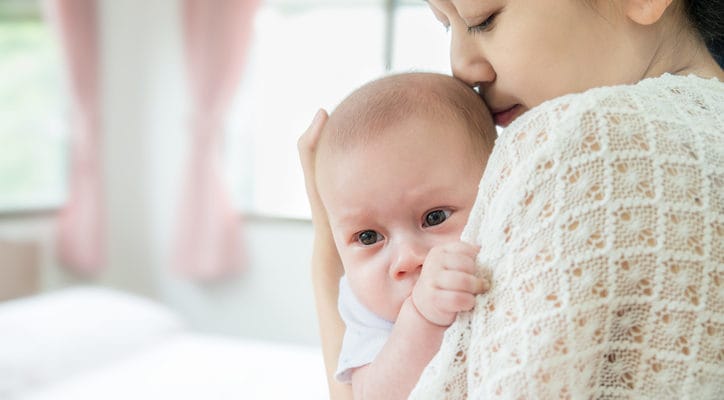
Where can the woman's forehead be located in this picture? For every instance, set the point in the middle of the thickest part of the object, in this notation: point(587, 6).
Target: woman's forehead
point(442, 8)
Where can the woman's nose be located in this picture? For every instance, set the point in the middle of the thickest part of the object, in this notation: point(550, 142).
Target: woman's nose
point(408, 260)
point(468, 60)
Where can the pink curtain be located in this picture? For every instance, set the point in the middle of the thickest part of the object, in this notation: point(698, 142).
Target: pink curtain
point(80, 240)
point(217, 36)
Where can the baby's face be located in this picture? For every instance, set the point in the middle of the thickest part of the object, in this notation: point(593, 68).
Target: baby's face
point(390, 201)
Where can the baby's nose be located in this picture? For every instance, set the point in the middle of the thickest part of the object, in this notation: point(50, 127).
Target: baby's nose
point(408, 261)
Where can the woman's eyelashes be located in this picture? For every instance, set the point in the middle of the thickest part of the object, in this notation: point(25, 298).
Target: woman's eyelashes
point(484, 26)
point(368, 237)
point(435, 217)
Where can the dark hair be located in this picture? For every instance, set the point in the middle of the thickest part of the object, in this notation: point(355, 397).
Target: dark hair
point(707, 18)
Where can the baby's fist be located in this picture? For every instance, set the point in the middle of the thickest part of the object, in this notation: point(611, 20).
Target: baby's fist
point(447, 284)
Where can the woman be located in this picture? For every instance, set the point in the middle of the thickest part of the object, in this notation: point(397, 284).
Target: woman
point(602, 191)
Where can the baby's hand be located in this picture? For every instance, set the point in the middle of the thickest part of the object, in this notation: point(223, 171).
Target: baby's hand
point(447, 284)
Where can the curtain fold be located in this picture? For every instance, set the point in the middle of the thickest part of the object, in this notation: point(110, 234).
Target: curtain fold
point(217, 36)
point(80, 235)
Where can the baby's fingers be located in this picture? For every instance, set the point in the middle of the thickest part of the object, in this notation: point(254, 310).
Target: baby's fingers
point(460, 247)
point(451, 260)
point(450, 301)
point(461, 282)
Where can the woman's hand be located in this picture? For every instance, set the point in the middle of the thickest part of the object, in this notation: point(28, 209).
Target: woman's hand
point(326, 264)
point(307, 146)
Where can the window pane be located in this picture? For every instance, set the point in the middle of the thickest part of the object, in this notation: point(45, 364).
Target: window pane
point(420, 42)
point(32, 144)
point(302, 59)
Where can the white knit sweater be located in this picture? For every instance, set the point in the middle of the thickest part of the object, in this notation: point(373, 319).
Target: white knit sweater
point(601, 221)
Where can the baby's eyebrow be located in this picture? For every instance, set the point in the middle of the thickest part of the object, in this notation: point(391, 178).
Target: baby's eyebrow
point(349, 218)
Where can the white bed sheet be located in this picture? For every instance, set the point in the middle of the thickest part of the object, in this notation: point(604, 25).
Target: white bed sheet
point(98, 343)
point(53, 336)
point(194, 366)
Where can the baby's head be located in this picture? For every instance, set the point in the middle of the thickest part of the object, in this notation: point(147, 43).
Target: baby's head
point(398, 165)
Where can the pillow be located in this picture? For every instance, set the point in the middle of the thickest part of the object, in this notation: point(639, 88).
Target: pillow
point(51, 336)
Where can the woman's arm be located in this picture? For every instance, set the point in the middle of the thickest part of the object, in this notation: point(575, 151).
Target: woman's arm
point(326, 265)
point(326, 272)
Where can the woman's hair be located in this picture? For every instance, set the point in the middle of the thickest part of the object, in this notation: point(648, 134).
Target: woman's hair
point(707, 18)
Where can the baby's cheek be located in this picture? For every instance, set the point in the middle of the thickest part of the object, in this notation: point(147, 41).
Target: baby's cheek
point(459, 224)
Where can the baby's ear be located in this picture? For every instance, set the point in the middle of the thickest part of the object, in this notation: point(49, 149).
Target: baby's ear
point(646, 12)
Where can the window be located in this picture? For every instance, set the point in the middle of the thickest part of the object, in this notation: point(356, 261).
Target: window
point(32, 140)
point(307, 55)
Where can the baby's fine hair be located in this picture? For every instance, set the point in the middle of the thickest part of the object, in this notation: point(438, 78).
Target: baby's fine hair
point(373, 108)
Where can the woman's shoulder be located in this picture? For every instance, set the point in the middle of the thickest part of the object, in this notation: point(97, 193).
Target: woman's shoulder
point(668, 97)
point(567, 146)
point(650, 98)
point(583, 121)
point(663, 119)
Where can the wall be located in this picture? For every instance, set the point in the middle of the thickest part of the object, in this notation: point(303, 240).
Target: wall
point(271, 300)
point(144, 143)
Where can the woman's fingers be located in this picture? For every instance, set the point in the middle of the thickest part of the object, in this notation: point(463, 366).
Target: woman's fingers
point(307, 143)
point(307, 147)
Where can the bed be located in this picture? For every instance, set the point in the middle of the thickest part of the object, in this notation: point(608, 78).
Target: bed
point(98, 343)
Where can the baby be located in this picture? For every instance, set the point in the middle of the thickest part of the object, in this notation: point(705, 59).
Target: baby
point(398, 166)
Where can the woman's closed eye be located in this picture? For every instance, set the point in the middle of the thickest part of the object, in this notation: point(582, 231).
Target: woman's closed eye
point(368, 237)
point(484, 26)
point(435, 217)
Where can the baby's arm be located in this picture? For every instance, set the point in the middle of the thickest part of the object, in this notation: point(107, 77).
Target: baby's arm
point(447, 285)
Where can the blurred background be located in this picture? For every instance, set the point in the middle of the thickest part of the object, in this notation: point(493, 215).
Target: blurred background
point(149, 147)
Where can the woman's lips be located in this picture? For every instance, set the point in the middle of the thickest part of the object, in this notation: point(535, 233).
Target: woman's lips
point(505, 117)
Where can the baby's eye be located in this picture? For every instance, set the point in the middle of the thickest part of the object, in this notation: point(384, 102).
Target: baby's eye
point(436, 217)
point(369, 237)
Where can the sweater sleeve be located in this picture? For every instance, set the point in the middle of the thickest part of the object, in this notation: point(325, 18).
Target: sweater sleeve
point(600, 221)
